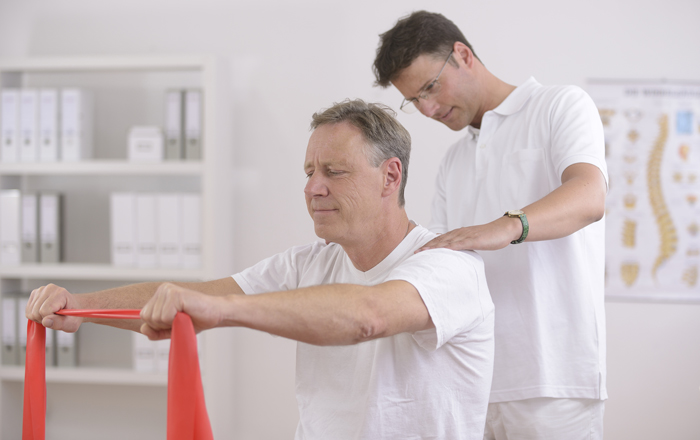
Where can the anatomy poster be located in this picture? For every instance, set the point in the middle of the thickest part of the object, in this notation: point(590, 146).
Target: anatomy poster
point(652, 146)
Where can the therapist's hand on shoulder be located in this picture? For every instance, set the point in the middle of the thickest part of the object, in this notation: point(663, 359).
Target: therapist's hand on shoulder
point(45, 301)
point(487, 237)
point(206, 311)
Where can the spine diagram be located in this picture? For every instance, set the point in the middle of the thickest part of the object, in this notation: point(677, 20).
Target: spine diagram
point(667, 232)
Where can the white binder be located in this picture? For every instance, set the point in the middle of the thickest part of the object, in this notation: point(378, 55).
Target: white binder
point(162, 355)
point(9, 125)
point(169, 230)
point(22, 327)
point(50, 347)
point(123, 227)
point(48, 125)
point(144, 353)
point(10, 238)
point(174, 125)
point(191, 231)
point(193, 124)
point(10, 341)
point(29, 125)
point(30, 228)
point(76, 125)
point(146, 241)
point(50, 227)
point(66, 349)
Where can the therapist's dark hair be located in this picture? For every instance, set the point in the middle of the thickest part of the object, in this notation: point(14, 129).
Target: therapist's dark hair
point(386, 137)
point(417, 34)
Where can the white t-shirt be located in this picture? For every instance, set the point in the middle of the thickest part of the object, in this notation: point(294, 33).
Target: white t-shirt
point(550, 317)
point(430, 384)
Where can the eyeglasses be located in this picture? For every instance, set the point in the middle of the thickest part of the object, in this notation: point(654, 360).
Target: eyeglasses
point(427, 92)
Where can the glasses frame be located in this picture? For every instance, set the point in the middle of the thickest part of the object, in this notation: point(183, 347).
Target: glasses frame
point(425, 92)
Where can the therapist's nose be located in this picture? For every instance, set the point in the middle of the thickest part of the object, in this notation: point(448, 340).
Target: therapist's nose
point(428, 107)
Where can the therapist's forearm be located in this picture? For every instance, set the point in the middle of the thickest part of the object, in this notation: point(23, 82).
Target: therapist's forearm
point(577, 203)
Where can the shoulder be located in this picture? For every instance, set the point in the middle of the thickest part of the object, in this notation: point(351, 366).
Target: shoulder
point(448, 259)
point(440, 259)
point(561, 98)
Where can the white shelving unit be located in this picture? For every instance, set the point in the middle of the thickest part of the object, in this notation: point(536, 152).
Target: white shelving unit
point(128, 91)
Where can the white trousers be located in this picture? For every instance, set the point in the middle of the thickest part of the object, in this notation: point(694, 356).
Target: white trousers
point(544, 419)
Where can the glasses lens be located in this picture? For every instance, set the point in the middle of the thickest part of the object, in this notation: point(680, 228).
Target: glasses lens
point(409, 106)
point(431, 91)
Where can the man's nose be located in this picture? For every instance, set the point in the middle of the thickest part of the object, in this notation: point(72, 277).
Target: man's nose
point(315, 186)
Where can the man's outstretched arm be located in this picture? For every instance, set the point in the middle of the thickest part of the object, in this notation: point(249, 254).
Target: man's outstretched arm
point(335, 314)
point(45, 301)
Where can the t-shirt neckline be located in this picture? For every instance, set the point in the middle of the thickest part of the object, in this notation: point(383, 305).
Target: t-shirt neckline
point(397, 254)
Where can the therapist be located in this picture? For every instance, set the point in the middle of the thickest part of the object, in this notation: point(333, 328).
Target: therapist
point(526, 185)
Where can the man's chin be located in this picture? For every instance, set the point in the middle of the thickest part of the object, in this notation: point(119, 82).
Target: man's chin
point(324, 234)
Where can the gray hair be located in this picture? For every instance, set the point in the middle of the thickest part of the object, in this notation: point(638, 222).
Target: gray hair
point(386, 137)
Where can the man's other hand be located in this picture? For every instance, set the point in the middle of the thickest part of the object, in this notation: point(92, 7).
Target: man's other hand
point(159, 313)
point(45, 301)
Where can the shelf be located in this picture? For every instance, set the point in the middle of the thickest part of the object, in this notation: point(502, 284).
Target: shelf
point(71, 271)
point(99, 376)
point(111, 64)
point(118, 79)
point(102, 167)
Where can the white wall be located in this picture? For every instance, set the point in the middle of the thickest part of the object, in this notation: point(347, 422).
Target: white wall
point(289, 59)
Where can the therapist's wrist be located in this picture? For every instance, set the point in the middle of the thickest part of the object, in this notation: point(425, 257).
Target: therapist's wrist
point(513, 228)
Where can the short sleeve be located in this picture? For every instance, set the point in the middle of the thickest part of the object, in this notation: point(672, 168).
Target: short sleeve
point(452, 285)
point(279, 272)
point(577, 131)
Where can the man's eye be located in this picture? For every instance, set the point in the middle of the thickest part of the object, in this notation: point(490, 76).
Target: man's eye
point(334, 172)
point(309, 174)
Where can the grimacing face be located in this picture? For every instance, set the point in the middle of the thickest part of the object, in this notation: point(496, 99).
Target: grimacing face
point(343, 191)
point(457, 103)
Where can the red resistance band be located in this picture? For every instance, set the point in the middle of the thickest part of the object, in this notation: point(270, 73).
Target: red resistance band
point(187, 412)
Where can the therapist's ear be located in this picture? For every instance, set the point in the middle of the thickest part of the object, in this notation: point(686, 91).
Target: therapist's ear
point(463, 54)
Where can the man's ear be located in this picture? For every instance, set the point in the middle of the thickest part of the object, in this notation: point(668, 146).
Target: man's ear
point(392, 176)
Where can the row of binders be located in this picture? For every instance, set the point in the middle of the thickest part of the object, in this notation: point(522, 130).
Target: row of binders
point(183, 131)
point(30, 227)
point(61, 347)
point(153, 356)
point(46, 125)
point(156, 230)
point(183, 124)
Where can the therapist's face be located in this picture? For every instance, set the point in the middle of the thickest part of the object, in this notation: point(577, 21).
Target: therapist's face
point(458, 102)
point(343, 191)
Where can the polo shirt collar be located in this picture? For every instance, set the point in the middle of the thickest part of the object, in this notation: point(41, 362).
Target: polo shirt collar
point(517, 98)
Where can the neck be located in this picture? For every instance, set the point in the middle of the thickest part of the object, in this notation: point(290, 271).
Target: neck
point(378, 244)
point(495, 92)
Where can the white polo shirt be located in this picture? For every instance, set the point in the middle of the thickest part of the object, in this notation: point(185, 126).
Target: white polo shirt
point(550, 318)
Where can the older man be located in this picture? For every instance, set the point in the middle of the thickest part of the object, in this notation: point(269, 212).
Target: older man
point(392, 345)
